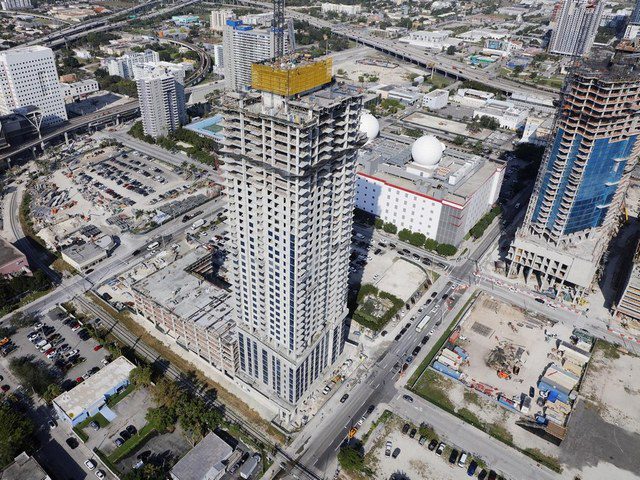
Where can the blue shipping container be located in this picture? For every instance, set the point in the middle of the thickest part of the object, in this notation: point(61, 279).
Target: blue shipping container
point(442, 368)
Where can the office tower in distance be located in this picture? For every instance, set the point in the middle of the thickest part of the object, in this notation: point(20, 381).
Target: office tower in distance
point(123, 66)
point(244, 45)
point(635, 14)
point(289, 166)
point(576, 27)
point(633, 26)
point(15, 5)
point(28, 77)
point(219, 19)
point(161, 97)
point(579, 193)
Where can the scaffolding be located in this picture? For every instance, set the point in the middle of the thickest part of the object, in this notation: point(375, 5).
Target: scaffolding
point(290, 80)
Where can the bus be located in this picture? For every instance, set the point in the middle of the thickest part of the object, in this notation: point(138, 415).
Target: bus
point(423, 323)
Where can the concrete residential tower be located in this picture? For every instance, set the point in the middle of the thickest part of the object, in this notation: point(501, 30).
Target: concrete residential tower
point(290, 169)
point(28, 77)
point(580, 189)
point(161, 97)
point(576, 27)
point(244, 45)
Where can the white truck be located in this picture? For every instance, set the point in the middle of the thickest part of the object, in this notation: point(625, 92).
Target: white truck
point(198, 223)
point(423, 323)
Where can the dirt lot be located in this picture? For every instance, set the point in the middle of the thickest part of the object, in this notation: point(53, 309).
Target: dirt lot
point(393, 275)
point(612, 383)
point(493, 324)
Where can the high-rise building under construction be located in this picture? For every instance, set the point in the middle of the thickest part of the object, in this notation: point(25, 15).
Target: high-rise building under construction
point(579, 193)
point(289, 164)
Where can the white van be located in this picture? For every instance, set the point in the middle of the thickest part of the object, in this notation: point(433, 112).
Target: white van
point(153, 246)
point(463, 460)
point(197, 224)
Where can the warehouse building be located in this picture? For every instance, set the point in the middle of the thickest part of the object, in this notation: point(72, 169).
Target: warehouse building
point(423, 187)
point(90, 397)
point(12, 260)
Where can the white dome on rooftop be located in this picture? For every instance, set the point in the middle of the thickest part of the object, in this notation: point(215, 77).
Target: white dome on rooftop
point(427, 151)
point(369, 125)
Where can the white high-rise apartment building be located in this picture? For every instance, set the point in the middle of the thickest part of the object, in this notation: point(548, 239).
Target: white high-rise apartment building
point(28, 77)
point(576, 27)
point(123, 66)
point(219, 19)
point(161, 97)
point(289, 167)
point(15, 4)
point(244, 45)
point(342, 8)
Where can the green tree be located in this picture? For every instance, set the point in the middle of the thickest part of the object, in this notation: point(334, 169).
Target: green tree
point(458, 140)
point(141, 376)
point(163, 419)
point(167, 393)
point(446, 250)
point(33, 374)
point(16, 432)
point(196, 418)
point(417, 239)
point(51, 392)
point(404, 234)
point(350, 458)
point(378, 223)
point(390, 228)
point(451, 50)
point(430, 244)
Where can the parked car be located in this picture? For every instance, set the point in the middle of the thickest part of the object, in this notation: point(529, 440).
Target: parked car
point(125, 435)
point(463, 459)
point(387, 450)
point(344, 398)
point(492, 475)
point(440, 448)
point(5, 388)
point(94, 425)
point(118, 441)
point(405, 428)
point(407, 398)
point(453, 456)
point(472, 468)
point(395, 453)
point(432, 445)
point(100, 474)
point(425, 339)
point(422, 440)
point(97, 347)
point(132, 430)
point(72, 442)
point(90, 464)
point(482, 475)
point(412, 433)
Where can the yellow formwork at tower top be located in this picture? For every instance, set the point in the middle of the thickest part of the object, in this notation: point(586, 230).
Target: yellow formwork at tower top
point(290, 80)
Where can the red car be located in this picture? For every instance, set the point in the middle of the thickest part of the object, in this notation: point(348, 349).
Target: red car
point(79, 379)
point(97, 347)
point(49, 351)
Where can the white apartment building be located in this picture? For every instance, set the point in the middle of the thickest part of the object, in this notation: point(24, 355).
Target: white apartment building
point(576, 27)
point(123, 66)
point(178, 70)
point(28, 77)
point(218, 56)
point(342, 8)
point(15, 5)
point(509, 116)
point(436, 99)
point(425, 188)
point(244, 45)
point(161, 97)
point(75, 90)
point(219, 19)
point(290, 219)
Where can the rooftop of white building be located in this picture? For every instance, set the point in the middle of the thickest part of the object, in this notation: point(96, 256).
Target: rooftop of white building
point(455, 177)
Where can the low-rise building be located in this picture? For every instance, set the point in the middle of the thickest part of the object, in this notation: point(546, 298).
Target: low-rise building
point(180, 20)
point(433, 40)
point(470, 97)
point(90, 397)
point(426, 188)
point(206, 461)
point(436, 99)
point(83, 256)
point(506, 113)
point(24, 467)
point(12, 260)
point(192, 310)
point(537, 130)
point(77, 90)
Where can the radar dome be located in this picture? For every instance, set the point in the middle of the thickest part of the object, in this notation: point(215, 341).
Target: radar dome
point(427, 151)
point(369, 126)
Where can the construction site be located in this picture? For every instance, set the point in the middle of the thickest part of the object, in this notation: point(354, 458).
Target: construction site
point(525, 364)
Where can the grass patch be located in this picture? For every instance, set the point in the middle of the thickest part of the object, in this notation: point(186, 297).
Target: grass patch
point(61, 266)
point(98, 418)
point(436, 348)
point(427, 431)
point(429, 386)
point(552, 462)
point(108, 463)
point(114, 399)
point(133, 443)
point(470, 417)
point(80, 433)
point(499, 432)
point(609, 350)
point(471, 397)
point(382, 419)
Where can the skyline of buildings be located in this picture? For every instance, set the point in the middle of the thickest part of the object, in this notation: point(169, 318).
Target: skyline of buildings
point(576, 27)
point(123, 66)
point(579, 192)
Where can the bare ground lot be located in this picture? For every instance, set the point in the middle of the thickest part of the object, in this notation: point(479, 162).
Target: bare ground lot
point(392, 274)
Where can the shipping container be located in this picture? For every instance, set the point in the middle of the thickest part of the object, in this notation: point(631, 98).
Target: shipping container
point(448, 362)
point(451, 355)
point(461, 351)
point(440, 367)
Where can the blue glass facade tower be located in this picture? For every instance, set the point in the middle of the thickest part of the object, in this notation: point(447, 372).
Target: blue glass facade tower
point(580, 189)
